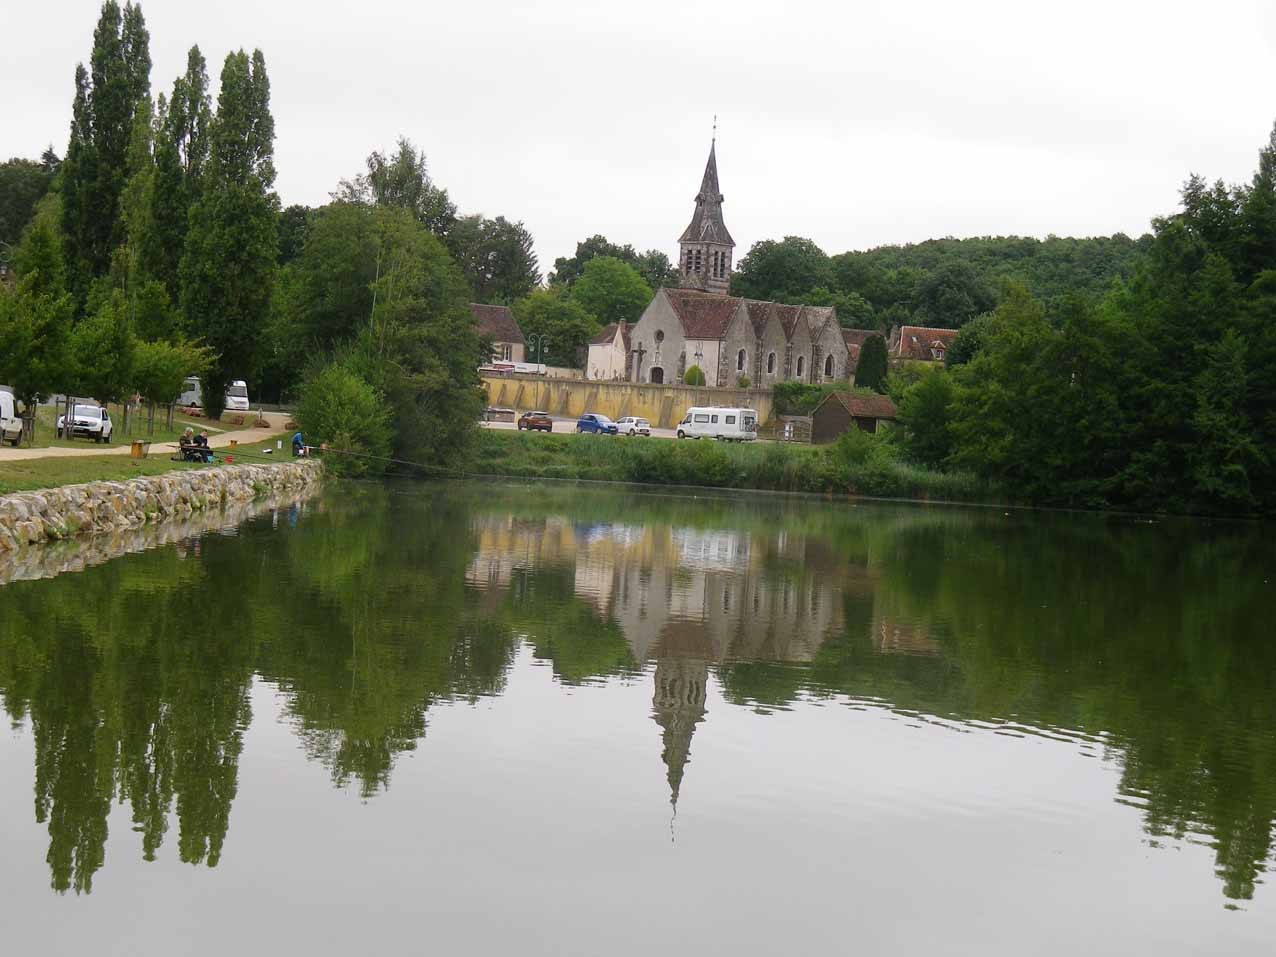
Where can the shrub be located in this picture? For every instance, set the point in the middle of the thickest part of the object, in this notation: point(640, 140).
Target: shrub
point(693, 376)
point(742, 382)
point(341, 410)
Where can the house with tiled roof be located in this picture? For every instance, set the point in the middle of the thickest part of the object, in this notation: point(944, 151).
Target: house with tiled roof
point(920, 343)
point(609, 353)
point(839, 412)
point(496, 324)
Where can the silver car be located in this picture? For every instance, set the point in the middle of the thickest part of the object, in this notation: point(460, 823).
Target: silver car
point(632, 425)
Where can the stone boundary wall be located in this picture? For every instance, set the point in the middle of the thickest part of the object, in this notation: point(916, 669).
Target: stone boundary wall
point(30, 518)
point(662, 405)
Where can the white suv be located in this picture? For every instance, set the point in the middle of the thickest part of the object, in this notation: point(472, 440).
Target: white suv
point(632, 425)
point(91, 421)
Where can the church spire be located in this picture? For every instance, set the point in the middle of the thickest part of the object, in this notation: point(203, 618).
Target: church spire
point(705, 245)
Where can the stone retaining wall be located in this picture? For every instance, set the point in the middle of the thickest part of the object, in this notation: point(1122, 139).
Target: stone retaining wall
point(28, 518)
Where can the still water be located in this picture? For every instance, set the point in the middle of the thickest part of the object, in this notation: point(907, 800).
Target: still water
point(522, 719)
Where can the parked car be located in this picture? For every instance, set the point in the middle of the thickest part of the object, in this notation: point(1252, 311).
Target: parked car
point(597, 423)
point(731, 425)
point(10, 424)
point(91, 421)
point(535, 421)
point(632, 425)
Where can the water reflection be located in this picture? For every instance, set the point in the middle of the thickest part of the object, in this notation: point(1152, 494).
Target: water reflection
point(1144, 644)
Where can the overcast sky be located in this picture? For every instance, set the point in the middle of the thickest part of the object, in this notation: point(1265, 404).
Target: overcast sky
point(855, 123)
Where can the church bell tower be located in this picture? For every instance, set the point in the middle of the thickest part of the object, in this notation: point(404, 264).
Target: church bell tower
point(704, 260)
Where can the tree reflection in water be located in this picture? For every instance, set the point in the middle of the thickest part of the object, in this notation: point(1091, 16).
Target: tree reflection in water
point(134, 676)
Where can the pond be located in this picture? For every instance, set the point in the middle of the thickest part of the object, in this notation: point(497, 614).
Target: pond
point(538, 719)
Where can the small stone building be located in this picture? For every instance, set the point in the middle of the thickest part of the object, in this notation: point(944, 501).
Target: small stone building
point(839, 412)
point(497, 325)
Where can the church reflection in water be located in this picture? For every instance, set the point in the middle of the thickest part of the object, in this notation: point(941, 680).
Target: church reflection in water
point(684, 598)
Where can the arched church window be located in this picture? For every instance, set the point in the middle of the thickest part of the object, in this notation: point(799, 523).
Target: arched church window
point(740, 359)
point(690, 259)
point(800, 366)
point(697, 260)
point(770, 364)
point(660, 336)
point(828, 366)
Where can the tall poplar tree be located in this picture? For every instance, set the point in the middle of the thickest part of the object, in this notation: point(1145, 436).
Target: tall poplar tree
point(107, 97)
point(227, 269)
point(181, 152)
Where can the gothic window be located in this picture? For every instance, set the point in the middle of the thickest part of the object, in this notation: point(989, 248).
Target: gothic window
point(770, 364)
point(800, 365)
point(740, 360)
point(697, 260)
point(828, 367)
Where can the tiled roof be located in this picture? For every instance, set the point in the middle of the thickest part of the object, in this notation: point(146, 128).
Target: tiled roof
point(924, 343)
point(608, 335)
point(496, 323)
point(759, 313)
point(788, 316)
point(816, 317)
point(861, 406)
point(703, 315)
point(857, 337)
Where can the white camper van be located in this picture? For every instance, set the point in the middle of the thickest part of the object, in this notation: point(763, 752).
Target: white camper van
point(711, 422)
point(10, 424)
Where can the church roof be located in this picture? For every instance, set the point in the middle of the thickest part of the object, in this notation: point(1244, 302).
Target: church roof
point(704, 315)
point(706, 222)
point(496, 323)
point(759, 313)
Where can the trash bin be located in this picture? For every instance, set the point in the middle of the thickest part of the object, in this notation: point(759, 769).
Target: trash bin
point(234, 443)
point(139, 449)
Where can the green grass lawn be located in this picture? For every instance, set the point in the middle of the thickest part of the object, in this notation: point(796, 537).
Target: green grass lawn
point(46, 418)
point(32, 474)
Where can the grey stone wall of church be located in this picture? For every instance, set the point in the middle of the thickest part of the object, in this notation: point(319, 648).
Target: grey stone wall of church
point(739, 336)
point(657, 317)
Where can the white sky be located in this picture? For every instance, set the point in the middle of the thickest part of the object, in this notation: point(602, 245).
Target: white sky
point(856, 123)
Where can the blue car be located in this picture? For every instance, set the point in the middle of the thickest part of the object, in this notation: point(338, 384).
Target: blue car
point(597, 423)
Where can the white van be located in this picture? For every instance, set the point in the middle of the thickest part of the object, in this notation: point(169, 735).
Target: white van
point(711, 422)
point(237, 396)
point(10, 424)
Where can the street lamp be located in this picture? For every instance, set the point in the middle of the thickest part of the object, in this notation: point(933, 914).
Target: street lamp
point(539, 342)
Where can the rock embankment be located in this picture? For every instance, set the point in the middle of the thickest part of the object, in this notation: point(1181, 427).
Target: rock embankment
point(28, 518)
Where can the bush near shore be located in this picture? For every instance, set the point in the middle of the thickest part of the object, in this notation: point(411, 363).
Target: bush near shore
point(858, 464)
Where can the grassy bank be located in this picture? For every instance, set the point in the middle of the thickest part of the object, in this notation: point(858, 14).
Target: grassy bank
point(28, 475)
point(859, 465)
point(46, 418)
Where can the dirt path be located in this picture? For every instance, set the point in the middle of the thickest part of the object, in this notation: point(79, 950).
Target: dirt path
point(221, 440)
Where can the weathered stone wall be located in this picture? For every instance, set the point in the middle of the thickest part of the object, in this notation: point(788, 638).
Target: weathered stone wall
point(662, 405)
point(28, 518)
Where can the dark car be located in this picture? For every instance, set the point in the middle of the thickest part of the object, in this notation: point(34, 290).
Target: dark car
point(535, 421)
point(597, 423)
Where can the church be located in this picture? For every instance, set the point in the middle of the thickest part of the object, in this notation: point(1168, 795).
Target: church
point(735, 342)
